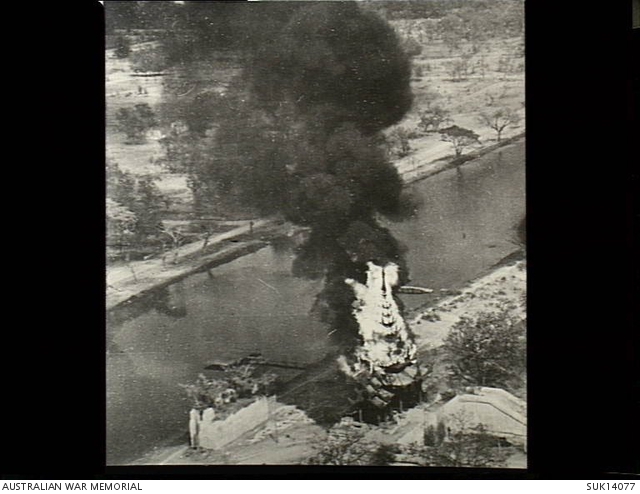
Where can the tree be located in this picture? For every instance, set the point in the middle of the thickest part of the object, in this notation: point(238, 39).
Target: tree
point(215, 165)
point(176, 236)
point(148, 206)
point(199, 115)
point(431, 118)
point(121, 223)
point(122, 218)
point(345, 444)
point(140, 196)
point(241, 379)
point(135, 122)
point(487, 351)
point(148, 59)
point(460, 137)
point(465, 448)
point(123, 47)
point(459, 69)
point(384, 455)
point(120, 186)
point(504, 65)
point(499, 119)
point(399, 142)
point(430, 438)
point(411, 47)
point(463, 444)
point(451, 28)
point(441, 432)
point(482, 65)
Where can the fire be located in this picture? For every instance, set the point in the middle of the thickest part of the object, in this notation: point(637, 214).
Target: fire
point(387, 344)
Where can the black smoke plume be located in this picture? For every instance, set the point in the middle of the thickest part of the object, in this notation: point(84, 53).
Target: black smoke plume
point(336, 64)
point(305, 141)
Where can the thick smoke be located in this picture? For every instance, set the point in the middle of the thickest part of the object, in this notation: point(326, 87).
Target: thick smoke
point(336, 64)
point(307, 143)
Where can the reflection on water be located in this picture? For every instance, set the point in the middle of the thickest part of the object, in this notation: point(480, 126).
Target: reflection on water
point(465, 225)
point(251, 304)
point(466, 222)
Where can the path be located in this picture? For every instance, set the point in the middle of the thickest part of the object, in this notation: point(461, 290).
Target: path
point(122, 283)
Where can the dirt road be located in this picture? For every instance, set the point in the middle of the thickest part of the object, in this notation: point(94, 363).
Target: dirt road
point(125, 282)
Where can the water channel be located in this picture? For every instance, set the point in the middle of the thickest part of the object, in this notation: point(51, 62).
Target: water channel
point(465, 225)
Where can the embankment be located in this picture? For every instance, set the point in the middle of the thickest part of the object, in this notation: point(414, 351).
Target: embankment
point(437, 166)
point(155, 274)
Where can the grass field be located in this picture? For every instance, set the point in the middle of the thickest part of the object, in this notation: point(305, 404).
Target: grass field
point(495, 79)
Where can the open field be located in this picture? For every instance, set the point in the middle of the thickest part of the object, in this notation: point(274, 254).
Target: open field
point(488, 86)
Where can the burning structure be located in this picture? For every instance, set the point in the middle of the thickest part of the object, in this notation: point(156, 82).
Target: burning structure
point(304, 140)
point(385, 360)
point(386, 339)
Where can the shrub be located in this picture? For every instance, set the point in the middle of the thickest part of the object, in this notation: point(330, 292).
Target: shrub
point(441, 433)
point(411, 47)
point(238, 381)
point(430, 438)
point(148, 59)
point(135, 122)
point(123, 47)
point(488, 350)
point(383, 455)
point(474, 448)
point(345, 444)
point(398, 142)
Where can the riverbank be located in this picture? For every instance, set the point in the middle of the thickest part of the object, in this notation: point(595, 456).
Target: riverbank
point(413, 174)
point(135, 279)
point(289, 435)
point(126, 283)
point(503, 287)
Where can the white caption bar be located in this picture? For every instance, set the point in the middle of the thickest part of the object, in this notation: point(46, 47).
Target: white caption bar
point(322, 486)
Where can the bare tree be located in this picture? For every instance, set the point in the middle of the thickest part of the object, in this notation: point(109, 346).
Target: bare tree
point(177, 237)
point(206, 236)
point(482, 65)
point(432, 118)
point(499, 119)
point(459, 69)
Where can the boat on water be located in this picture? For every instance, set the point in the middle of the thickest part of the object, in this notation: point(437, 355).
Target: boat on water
point(414, 290)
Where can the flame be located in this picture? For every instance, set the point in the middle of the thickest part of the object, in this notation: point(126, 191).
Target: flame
point(386, 340)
